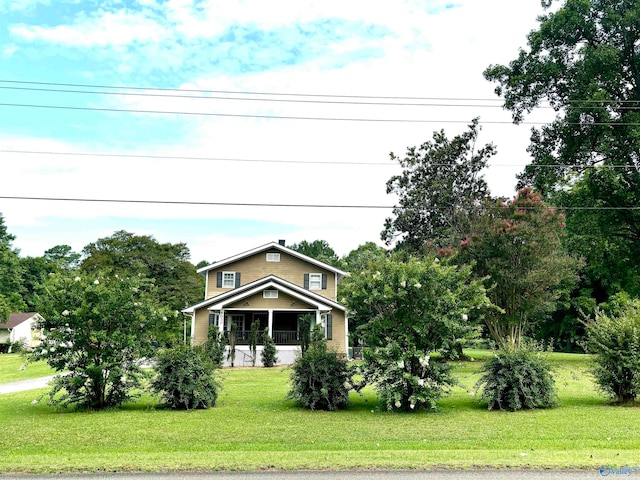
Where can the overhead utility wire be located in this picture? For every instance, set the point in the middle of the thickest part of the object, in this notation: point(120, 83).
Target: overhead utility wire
point(279, 117)
point(237, 92)
point(288, 205)
point(285, 117)
point(288, 100)
point(289, 94)
point(267, 160)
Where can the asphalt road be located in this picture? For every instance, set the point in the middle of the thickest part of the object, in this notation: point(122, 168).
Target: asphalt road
point(506, 474)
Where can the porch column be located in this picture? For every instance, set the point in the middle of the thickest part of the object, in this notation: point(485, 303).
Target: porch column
point(318, 317)
point(270, 323)
point(221, 321)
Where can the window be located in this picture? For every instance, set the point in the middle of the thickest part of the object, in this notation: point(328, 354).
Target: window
point(327, 325)
point(213, 319)
point(315, 281)
point(270, 294)
point(228, 279)
point(273, 257)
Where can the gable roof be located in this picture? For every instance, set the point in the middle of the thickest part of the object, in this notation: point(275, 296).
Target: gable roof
point(16, 319)
point(270, 281)
point(271, 246)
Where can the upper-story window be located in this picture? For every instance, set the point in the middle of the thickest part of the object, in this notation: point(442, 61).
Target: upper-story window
point(315, 281)
point(273, 257)
point(228, 279)
point(270, 293)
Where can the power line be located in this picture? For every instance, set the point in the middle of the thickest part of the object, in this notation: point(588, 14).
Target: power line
point(288, 100)
point(279, 117)
point(236, 92)
point(298, 162)
point(279, 205)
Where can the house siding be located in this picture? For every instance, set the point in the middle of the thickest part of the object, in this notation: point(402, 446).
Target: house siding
point(201, 327)
point(338, 342)
point(256, 266)
point(283, 302)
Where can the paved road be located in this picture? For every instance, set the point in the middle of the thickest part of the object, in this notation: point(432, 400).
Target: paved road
point(505, 474)
point(22, 385)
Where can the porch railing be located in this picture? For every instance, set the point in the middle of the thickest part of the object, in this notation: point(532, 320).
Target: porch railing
point(280, 337)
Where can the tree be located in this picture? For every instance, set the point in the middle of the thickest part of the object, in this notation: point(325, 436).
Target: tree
point(124, 253)
point(254, 338)
point(318, 249)
point(11, 272)
point(517, 246)
point(97, 327)
point(440, 190)
point(583, 60)
point(269, 351)
point(63, 257)
point(414, 308)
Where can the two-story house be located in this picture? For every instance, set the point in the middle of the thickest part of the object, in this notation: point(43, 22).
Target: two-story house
point(275, 286)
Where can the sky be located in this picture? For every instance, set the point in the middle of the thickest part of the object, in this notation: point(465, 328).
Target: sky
point(210, 109)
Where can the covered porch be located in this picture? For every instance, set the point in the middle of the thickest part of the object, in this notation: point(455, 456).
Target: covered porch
point(283, 326)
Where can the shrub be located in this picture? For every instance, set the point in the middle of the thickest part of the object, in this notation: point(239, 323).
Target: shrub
point(320, 377)
point(185, 379)
point(254, 337)
point(269, 358)
point(615, 340)
point(516, 379)
point(406, 379)
point(215, 346)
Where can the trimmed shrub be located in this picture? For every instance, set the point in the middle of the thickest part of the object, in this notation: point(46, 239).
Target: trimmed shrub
point(215, 347)
point(320, 377)
point(615, 340)
point(185, 379)
point(517, 379)
point(269, 358)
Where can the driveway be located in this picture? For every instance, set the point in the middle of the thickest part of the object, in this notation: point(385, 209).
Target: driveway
point(23, 385)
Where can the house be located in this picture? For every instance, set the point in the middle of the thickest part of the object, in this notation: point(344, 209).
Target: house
point(19, 328)
point(275, 286)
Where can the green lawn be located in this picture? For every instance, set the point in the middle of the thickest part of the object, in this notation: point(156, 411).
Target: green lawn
point(10, 364)
point(253, 427)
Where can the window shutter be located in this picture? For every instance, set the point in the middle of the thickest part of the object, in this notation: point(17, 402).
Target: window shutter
point(237, 279)
point(306, 281)
point(324, 281)
point(329, 327)
point(219, 280)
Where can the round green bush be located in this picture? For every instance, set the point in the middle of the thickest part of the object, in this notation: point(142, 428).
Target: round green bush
point(320, 378)
point(517, 379)
point(185, 379)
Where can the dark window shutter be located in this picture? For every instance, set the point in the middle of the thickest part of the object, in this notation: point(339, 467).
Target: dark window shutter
point(324, 281)
point(329, 327)
point(237, 279)
point(219, 280)
point(306, 281)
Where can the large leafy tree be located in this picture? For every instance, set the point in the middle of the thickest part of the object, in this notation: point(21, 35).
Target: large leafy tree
point(440, 190)
point(583, 61)
point(413, 308)
point(97, 327)
point(11, 285)
point(517, 246)
point(318, 249)
point(167, 264)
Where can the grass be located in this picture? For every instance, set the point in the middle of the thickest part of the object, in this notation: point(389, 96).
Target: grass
point(253, 427)
point(10, 364)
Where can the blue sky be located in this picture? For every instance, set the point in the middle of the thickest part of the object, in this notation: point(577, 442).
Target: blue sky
point(409, 48)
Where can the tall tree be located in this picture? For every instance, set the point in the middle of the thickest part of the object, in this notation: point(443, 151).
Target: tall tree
point(63, 257)
point(583, 60)
point(11, 271)
point(318, 249)
point(517, 246)
point(167, 264)
point(441, 189)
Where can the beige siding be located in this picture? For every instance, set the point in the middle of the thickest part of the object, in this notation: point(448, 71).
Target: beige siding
point(283, 302)
point(201, 327)
point(338, 342)
point(256, 266)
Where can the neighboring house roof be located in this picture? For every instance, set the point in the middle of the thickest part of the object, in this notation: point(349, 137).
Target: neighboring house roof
point(271, 281)
point(271, 246)
point(16, 319)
